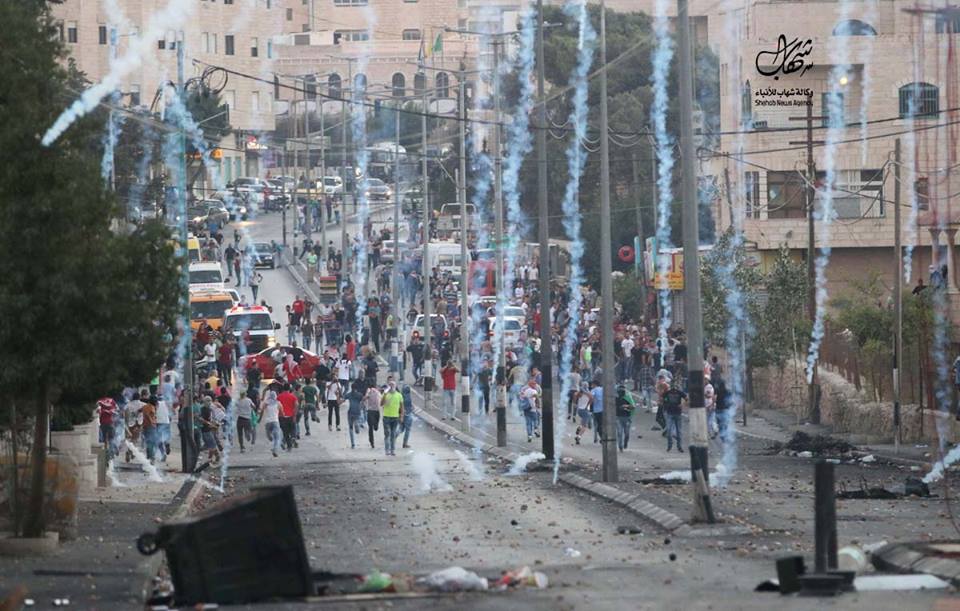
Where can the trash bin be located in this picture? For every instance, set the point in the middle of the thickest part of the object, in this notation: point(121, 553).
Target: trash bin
point(244, 550)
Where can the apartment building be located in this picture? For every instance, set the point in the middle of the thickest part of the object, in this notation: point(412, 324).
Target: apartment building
point(236, 34)
point(868, 71)
point(376, 44)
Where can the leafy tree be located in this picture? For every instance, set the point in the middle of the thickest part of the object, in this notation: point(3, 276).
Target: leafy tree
point(85, 309)
point(726, 259)
point(781, 319)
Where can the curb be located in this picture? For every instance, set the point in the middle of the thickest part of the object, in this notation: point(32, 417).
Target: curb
point(632, 502)
point(919, 558)
point(177, 508)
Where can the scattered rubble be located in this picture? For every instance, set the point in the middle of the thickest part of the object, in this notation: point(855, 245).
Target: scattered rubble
point(807, 446)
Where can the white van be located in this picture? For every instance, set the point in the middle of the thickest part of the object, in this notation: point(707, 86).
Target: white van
point(206, 275)
point(445, 256)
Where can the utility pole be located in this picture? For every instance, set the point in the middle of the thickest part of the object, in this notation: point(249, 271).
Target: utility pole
point(609, 431)
point(308, 230)
point(428, 377)
point(897, 298)
point(344, 247)
point(655, 199)
point(296, 154)
point(188, 453)
point(543, 235)
point(641, 271)
point(324, 217)
point(498, 232)
point(813, 388)
point(699, 470)
point(464, 257)
point(395, 271)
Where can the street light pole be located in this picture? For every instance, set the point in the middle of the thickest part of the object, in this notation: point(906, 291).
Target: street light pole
point(498, 231)
point(464, 258)
point(324, 217)
point(609, 429)
point(308, 230)
point(188, 453)
point(428, 376)
point(699, 481)
point(543, 233)
point(395, 348)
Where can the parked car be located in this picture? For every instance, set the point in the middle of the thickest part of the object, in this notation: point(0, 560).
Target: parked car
point(206, 211)
point(377, 190)
point(332, 186)
point(306, 362)
point(264, 255)
point(439, 326)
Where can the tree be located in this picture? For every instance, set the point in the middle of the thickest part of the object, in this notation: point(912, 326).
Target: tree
point(781, 319)
point(85, 309)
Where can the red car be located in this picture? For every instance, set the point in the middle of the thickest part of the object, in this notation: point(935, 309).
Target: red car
point(305, 362)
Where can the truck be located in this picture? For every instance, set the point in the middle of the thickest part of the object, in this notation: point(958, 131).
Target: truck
point(448, 223)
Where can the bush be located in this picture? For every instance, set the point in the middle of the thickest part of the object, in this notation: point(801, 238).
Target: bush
point(68, 415)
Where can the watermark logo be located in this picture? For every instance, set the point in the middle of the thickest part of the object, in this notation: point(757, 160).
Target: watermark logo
point(788, 58)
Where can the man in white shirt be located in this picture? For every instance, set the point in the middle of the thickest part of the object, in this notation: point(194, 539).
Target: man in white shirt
point(163, 427)
point(333, 395)
point(530, 404)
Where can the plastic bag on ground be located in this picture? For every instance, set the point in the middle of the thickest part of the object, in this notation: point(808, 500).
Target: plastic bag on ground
point(523, 576)
point(453, 579)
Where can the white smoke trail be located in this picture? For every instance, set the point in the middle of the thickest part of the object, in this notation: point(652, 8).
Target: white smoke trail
point(426, 467)
point(519, 144)
point(135, 194)
point(473, 471)
point(939, 468)
point(138, 456)
point(911, 178)
point(835, 113)
point(358, 126)
point(520, 465)
point(662, 56)
point(172, 17)
point(114, 125)
point(866, 61)
point(738, 327)
point(576, 159)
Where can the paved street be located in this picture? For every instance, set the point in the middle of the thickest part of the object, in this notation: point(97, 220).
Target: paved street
point(362, 510)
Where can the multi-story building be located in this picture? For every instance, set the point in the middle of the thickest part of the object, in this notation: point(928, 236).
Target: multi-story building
point(236, 34)
point(869, 71)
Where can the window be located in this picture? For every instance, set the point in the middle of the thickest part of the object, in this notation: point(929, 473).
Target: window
point(948, 23)
point(856, 193)
point(399, 85)
point(854, 27)
point(254, 47)
point(228, 44)
point(411, 34)
point(289, 14)
point(230, 99)
point(334, 85)
point(134, 95)
point(921, 189)
point(349, 2)
point(419, 83)
point(255, 101)
point(751, 194)
point(310, 87)
point(443, 85)
point(919, 100)
point(786, 195)
point(269, 49)
point(60, 35)
point(161, 44)
point(305, 27)
point(352, 35)
point(746, 104)
point(831, 104)
point(360, 83)
point(72, 31)
point(228, 1)
point(102, 34)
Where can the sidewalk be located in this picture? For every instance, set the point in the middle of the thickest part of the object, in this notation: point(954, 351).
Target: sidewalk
point(101, 568)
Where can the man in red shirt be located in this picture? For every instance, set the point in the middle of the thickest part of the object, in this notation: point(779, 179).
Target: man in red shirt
point(107, 409)
point(298, 308)
point(225, 361)
point(288, 413)
point(449, 375)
